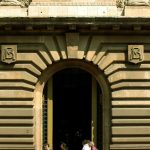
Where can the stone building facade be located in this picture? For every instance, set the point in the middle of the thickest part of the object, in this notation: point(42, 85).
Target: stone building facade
point(108, 40)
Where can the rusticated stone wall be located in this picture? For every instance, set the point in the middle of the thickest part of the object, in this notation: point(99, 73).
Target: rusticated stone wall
point(129, 84)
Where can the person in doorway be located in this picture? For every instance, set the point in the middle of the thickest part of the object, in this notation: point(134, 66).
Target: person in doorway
point(92, 145)
point(77, 140)
point(86, 145)
point(46, 146)
point(63, 146)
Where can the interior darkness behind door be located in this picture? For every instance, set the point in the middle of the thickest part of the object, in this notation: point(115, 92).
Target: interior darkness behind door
point(72, 108)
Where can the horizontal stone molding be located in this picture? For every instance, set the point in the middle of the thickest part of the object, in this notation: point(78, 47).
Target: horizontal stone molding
point(14, 121)
point(16, 140)
point(130, 112)
point(131, 84)
point(132, 121)
point(74, 2)
point(132, 93)
point(130, 130)
point(17, 75)
point(17, 146)
point(16, 112)
point(130, 139)
point(15, 94)
point(130, 103)
point(16, 103)
point(45, 10)
point(129, 146)
point(129, 75)
point(16, 131)
point(16, 84)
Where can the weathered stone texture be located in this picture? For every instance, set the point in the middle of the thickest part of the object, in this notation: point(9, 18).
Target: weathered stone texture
point(14, 11)
point(71, 11)
point(137, 11)
point(130, 130)
point(78, 1)
point(128, 83)
point(72, 40)
point(137, 2)
point(68, 8)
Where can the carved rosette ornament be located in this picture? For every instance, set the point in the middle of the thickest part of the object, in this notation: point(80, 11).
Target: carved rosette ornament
point(135, 53)
point(8, 53)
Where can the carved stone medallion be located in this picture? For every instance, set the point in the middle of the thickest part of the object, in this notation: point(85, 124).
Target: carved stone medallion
point(135, 53)
point(21, 3)
point(8, 53)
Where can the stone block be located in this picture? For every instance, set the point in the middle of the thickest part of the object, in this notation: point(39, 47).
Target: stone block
point(130, 130)
point(84, 2)
point(81, 11)
point(62, 1)
point(91, 12)
point(107, 2)
point(137, 11)
point(13, 11)
point(72, 40)
point(47, 10)
point(20, 112)
point(130, 112)
point(71, 11)
point(39, 11)
point(16, 131)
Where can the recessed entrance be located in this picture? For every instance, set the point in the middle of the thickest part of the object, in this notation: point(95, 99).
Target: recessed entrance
point(72, 107)
point(75, 110)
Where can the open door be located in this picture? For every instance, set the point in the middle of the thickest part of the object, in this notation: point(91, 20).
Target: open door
point(72, 109)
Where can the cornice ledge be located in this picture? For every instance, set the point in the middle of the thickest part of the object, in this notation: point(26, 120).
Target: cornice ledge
point(75, 21)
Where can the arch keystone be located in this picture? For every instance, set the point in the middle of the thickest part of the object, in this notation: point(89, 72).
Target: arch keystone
point(72, 41)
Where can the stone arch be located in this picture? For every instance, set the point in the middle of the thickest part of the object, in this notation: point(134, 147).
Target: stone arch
point(38, 54)
point(130, 91)
point(95, 72)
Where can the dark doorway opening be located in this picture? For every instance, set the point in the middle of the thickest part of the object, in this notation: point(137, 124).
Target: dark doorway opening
point(71, 108)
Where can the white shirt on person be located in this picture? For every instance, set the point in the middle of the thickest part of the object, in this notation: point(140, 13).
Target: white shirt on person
point(86, 147)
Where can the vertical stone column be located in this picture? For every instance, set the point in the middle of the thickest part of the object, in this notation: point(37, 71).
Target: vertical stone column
point(94, 111)
point(38, 119)
point(50, 114)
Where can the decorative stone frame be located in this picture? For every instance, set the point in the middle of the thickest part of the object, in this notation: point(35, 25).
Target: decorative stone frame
point(96, 73)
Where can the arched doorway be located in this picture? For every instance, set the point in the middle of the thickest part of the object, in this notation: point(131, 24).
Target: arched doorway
point(72, 107)
point(99, 79)
point(74, 98)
